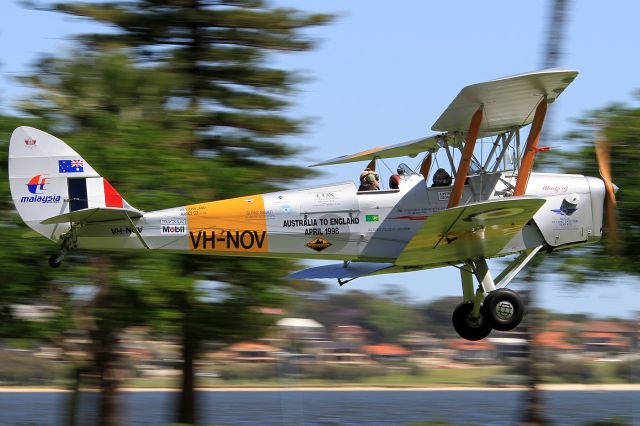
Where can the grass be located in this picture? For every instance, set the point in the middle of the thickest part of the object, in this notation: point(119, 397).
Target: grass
point(476, 376)
point(462, 377)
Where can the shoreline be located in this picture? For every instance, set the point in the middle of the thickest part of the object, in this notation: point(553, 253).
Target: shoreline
point(351, 388)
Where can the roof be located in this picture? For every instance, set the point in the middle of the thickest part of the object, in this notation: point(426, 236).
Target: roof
point(469, 345)
point(385, 349)
point(299, 323)
point(606, 327)
point(252, 347)
point(558, 325)
point(553, 340)
point(349, 329)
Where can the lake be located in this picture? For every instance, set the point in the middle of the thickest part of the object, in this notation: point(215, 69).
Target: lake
point(357, 407)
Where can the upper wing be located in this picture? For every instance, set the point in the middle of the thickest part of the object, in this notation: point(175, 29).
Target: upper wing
point(469, 232)
point(508, 102)
point(411, 149)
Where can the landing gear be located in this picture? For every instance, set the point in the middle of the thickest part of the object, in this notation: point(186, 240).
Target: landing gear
point(67, 244)
point(467, 326)
point(504, 309)
point(54, 262)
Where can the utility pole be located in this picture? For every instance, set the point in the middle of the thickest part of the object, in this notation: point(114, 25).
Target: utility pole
point(533, 413)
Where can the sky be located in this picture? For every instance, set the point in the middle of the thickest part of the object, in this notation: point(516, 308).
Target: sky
point(383, 72)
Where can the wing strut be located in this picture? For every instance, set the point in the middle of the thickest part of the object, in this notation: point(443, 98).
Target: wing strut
point(135, 229)
point(516, 266)
point(530, 149)
point(465, 161)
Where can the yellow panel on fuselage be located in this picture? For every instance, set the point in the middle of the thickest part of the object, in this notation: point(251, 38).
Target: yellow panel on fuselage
point(236, 225)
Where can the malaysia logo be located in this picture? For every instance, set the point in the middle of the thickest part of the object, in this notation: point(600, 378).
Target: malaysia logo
point(36, 184)
point(30, 142)
point(70, 166)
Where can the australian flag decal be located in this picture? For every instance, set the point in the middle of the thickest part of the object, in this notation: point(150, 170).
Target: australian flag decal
point(70, 166)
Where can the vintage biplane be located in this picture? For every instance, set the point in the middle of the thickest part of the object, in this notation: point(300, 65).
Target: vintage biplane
point(496, 206)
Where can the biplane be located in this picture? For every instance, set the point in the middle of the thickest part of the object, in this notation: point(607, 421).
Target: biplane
point(491, 206)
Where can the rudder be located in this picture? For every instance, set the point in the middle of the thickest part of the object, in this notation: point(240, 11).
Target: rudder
point(49, 178)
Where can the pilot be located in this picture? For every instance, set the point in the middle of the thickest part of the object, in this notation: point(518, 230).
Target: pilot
point(441, 178)
point(369, 180)
point(394, 180)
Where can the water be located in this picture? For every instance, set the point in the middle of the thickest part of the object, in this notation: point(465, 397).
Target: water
point(332, 407)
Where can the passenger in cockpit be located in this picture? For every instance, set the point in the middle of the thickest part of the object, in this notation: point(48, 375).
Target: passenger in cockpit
point(369, 180)
point(441, 178)
point(394, 180)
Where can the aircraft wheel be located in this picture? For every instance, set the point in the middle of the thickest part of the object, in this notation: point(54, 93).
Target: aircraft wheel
point(54, 262)
point(467, 327)
point(504, 309)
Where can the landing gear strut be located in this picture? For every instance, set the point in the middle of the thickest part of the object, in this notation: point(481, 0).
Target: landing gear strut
point(56, 259)
point(502, 308)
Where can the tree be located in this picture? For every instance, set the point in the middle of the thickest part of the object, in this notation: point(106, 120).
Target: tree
point(114, 114)
point(620, 125)
point(220, 50)
point(232, 120)
point(437, 316)
point(21, 280)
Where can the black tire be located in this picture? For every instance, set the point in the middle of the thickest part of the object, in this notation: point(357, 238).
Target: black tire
point(504, 309)
point(467, 327)
point(54, 262)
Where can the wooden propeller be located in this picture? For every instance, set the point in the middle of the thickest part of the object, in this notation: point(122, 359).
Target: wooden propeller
point(604, 164)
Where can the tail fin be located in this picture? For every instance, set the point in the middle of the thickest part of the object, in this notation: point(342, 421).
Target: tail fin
point(48, 178)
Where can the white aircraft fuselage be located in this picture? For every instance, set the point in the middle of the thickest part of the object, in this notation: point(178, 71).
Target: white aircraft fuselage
point(337, 222)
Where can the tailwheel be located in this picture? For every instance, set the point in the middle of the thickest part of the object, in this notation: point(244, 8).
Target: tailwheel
point(504, 309)
point(468, 327)
point(54, 261)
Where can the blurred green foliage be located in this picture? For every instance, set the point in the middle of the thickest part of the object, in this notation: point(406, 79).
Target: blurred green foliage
point(21, 367)
point(620, 126)
point(629, 370)
point(24, 277)
point(176, 104)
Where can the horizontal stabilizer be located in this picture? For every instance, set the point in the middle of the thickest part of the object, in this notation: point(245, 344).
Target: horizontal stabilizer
point(469, 232)
point(410, 149)
point(340, 271)
point(104, 214)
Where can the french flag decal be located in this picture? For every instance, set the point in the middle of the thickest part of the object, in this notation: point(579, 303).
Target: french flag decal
point(111, 197)
point(86, 193)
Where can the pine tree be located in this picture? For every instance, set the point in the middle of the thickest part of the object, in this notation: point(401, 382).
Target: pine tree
point(233, 103)
point(220, 50)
